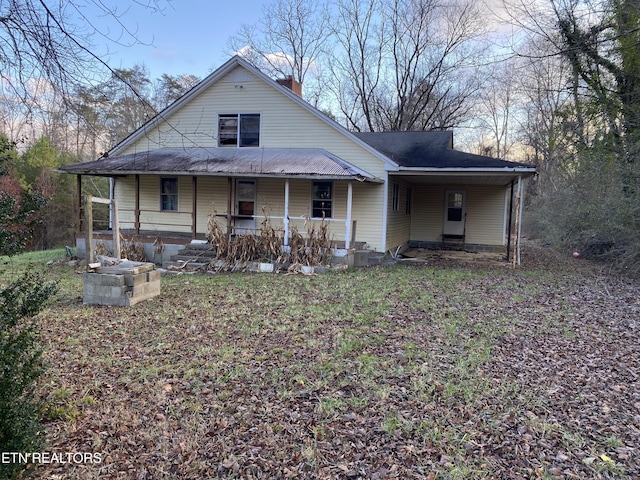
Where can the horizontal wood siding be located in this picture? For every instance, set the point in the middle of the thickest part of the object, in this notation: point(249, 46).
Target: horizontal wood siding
point(485, 215)
point(284, 124)
point(484, 207)
point(398, 222)
point(428, 213)
point(212, 193)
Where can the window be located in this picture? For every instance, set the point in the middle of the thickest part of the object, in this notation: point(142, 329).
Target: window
point(169, 194)
point(407, 205)
point(239, 130)
point(455, 202)
point(395, 197)
point(321, 200)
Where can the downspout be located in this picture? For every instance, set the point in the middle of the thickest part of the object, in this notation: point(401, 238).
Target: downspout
point(510, 219)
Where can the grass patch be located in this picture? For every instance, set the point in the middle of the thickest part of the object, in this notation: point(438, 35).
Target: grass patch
point(419, 372)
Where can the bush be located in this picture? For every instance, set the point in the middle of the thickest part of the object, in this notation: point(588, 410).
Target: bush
point(21, 429)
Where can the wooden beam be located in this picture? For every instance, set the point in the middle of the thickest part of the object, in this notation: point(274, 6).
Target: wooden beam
point(347, 235)
point(88, 229)
point(194, 206)
point(115, 227)
point(230, 193)
point(79, 203)
point(136, 223)
point(286, 212)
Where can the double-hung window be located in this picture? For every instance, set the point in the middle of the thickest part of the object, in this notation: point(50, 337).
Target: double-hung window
point(239, 130)
point(322, 200)
point(169, 194)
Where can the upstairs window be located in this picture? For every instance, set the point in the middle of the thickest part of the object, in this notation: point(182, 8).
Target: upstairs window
point(169, 194)
point(239, 130)
point(322, 200)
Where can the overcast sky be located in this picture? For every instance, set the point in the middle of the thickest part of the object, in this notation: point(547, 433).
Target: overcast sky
point(189, 36)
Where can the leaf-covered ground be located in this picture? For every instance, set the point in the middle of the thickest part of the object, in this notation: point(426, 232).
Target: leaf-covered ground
point(439, 370)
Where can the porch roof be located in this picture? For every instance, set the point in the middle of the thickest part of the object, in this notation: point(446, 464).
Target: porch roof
point(315, 163)
point(433, 151)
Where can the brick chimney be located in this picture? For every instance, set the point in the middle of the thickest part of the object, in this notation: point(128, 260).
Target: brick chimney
point(291, 84)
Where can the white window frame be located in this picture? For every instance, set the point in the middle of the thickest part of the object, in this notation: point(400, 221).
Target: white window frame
point(314, 199)
point(165, 194)
point(238, 132)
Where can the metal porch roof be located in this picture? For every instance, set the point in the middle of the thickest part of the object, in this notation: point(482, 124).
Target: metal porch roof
point(219, 161)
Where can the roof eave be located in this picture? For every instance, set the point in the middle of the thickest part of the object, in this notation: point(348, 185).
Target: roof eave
point(304, 176)
point(524, 171)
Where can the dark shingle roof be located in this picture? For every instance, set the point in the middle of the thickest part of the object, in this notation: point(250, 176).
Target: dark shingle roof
point(429, 150)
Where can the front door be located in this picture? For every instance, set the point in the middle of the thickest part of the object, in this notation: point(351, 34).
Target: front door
point(245, 206)
point(454, 212)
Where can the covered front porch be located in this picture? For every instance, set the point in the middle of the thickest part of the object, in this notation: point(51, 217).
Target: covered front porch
point(164, 205)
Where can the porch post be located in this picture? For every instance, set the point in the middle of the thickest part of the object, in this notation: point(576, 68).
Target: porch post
point(229, 196)
point(521, 207)
point(286, 212)
point(347, 235)
point(79, 203)
point(115, 227)
point(194, 206)
point(516, 246)
point(136, 223)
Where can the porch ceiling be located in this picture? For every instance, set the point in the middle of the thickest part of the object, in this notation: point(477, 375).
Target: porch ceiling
point(217, 161)
point(460, 178)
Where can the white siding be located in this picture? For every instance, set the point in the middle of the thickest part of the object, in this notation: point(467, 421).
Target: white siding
point(485, 213)
point(284, 124)
point(398, 222)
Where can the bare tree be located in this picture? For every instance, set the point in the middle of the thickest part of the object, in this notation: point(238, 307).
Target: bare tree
point(287, 41)
point(405, 64)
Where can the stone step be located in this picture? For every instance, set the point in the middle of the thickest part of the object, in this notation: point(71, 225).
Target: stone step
point(185, 267)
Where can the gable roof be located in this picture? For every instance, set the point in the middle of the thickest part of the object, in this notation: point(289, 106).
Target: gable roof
point(432, 150)
point(218, 74)
point(313, 163)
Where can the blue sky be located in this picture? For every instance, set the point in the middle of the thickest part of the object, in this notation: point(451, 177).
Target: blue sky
point(189, 36)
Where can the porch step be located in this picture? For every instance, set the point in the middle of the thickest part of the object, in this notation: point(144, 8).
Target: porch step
point(193, 257)
point(452, 242)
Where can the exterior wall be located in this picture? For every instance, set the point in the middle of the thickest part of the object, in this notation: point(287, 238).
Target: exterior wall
point(212, 193)
point(398, 221)
point(485, 209)
point(284, 124)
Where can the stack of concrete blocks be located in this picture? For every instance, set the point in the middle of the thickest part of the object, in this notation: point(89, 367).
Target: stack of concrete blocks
point(121, 285)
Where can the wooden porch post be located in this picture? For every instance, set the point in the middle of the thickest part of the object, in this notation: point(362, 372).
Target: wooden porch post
point(115, 226)
point(286, 211)
point(516, 243)
point(194, 206)
point(79, 203)
point(229, 195)
point(347, 235)
point(136, 223)
point(509, 223)
point(88, 229)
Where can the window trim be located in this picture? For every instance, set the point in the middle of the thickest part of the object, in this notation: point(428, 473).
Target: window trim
point(331, 199)
point(409, 201)
point(163, 194)
point(395, 196)
point(238, 133)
